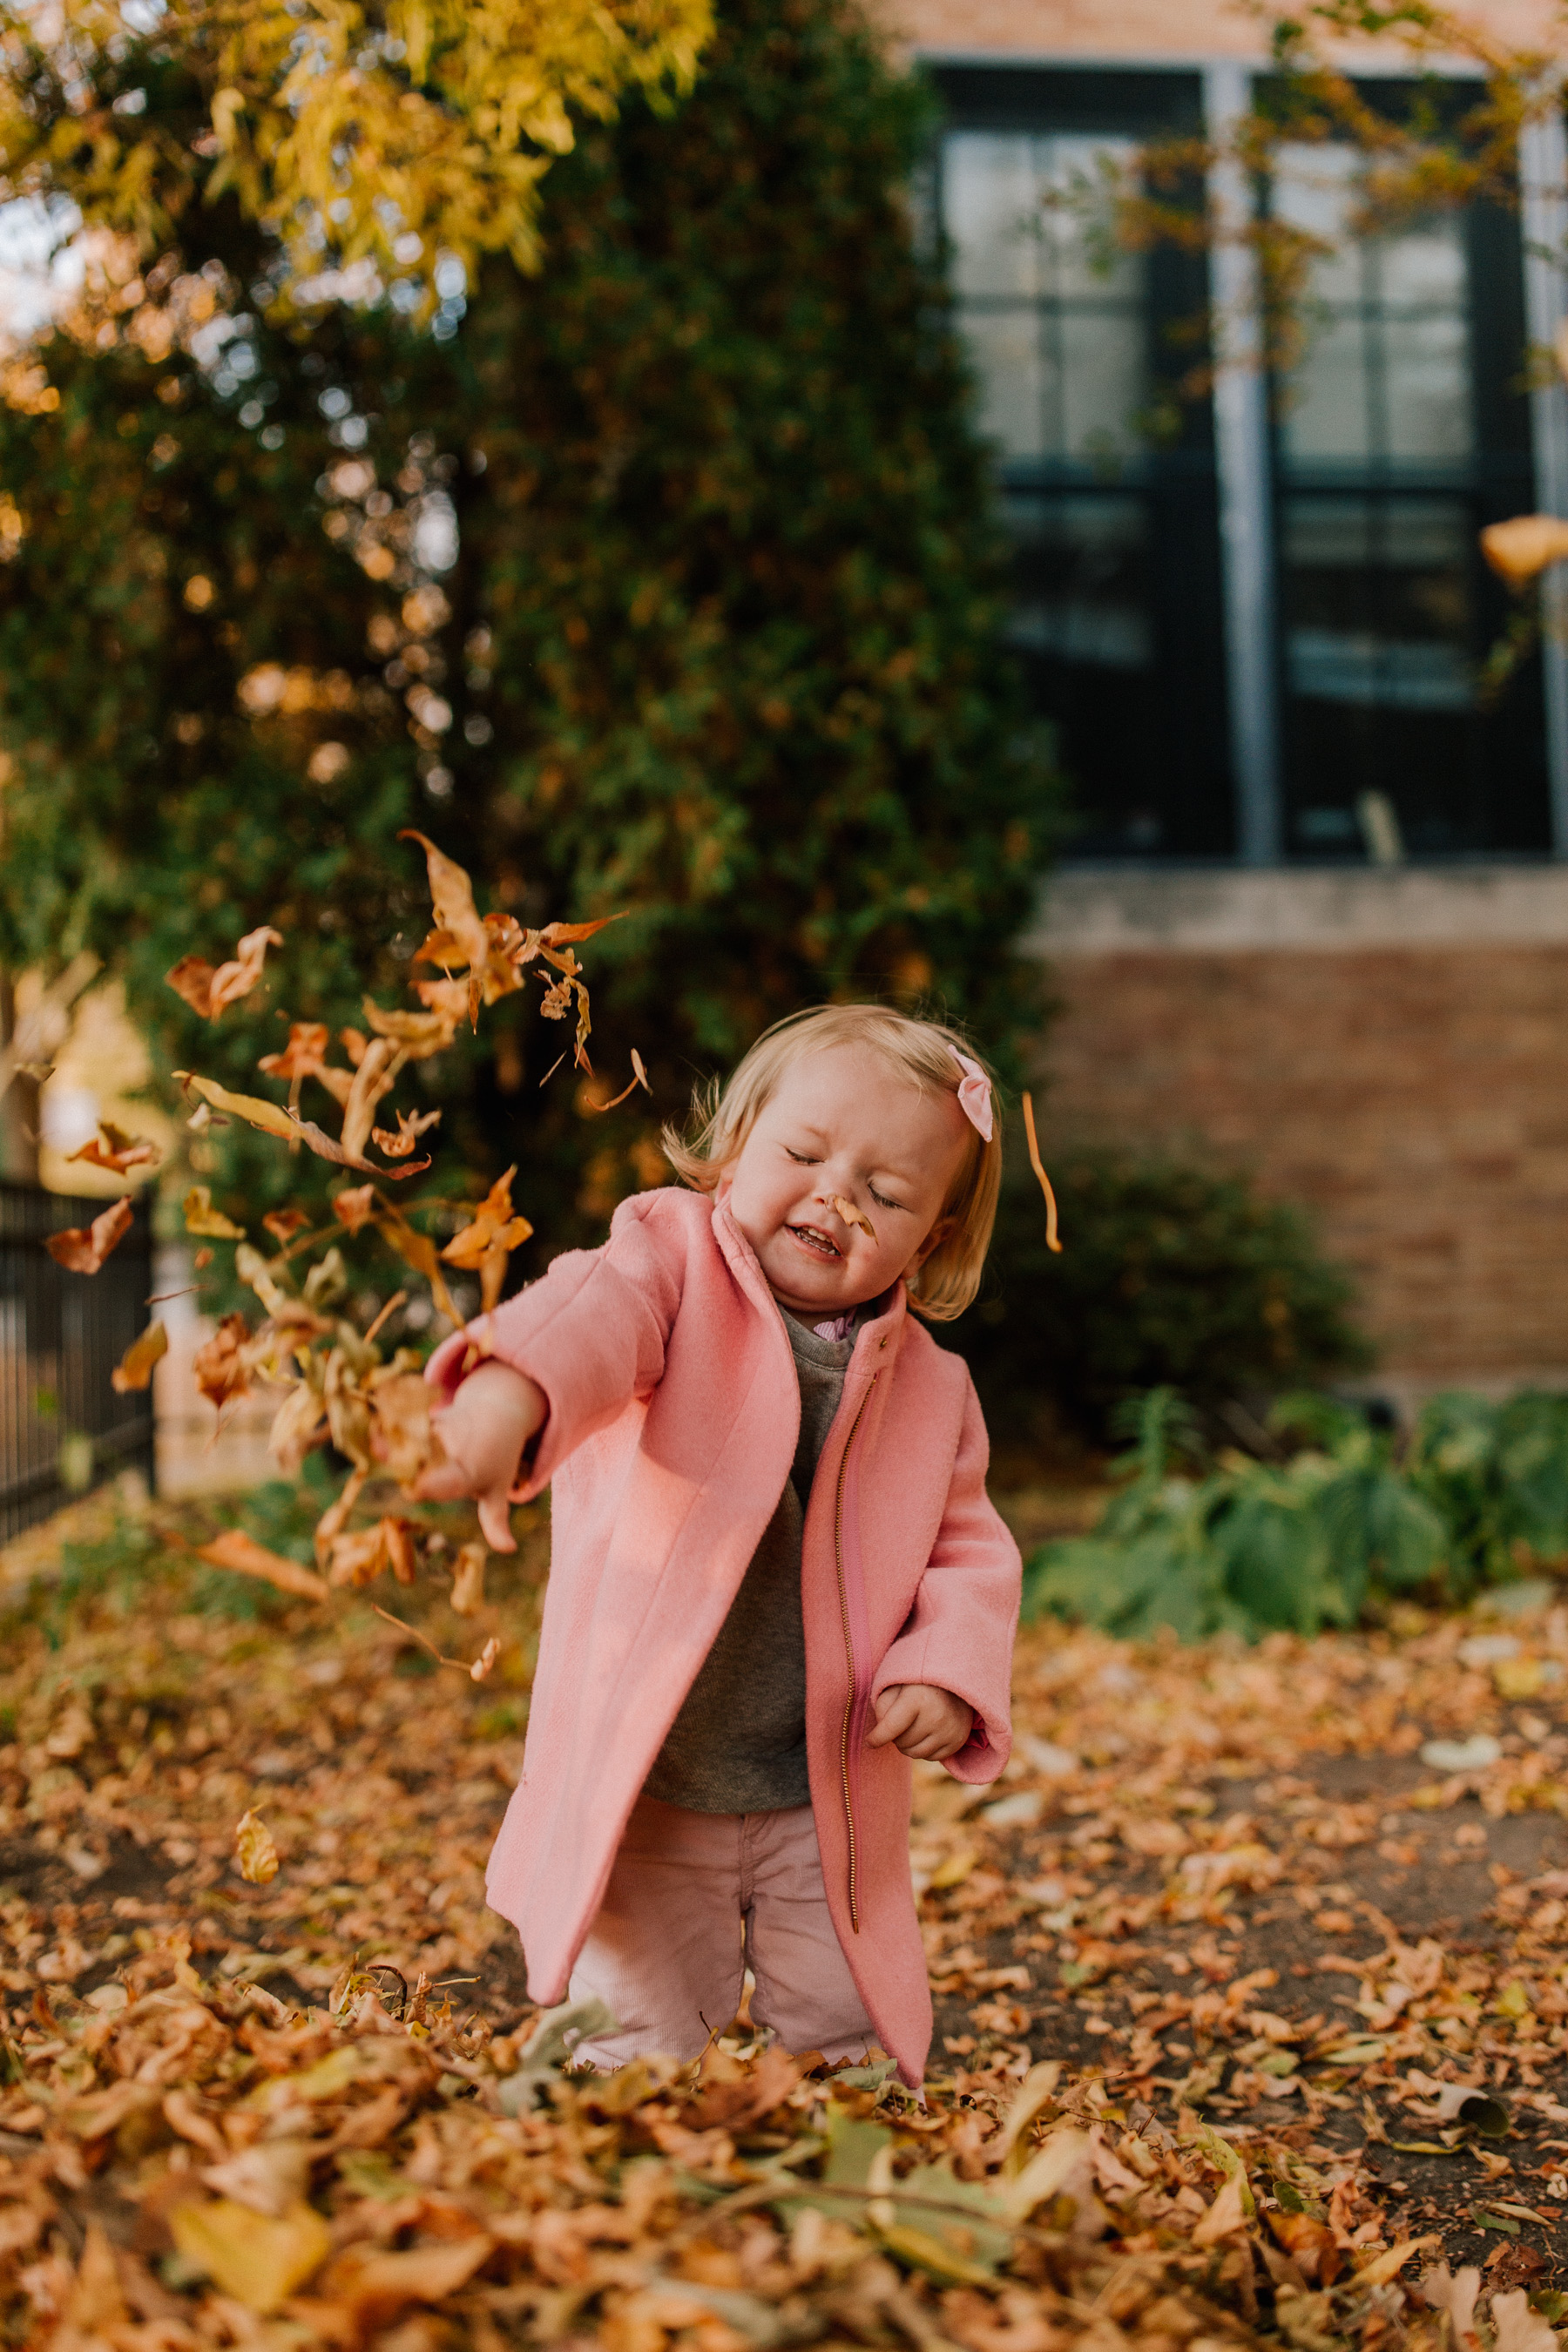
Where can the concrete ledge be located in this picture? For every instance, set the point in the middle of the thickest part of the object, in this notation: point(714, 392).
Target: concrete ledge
point(1128, 910)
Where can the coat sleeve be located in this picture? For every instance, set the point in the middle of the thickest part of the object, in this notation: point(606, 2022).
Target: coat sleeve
point(591, 1333)
point(959, 1636)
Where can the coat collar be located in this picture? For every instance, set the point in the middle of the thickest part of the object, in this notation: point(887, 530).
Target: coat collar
point(876, 1342)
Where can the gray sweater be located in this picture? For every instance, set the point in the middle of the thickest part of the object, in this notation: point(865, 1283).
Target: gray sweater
point(738, 1745)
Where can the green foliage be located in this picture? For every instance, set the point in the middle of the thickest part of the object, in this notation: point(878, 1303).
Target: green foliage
point(1251, 1545)
point(719, 644)
point(1497, 1473)
point(1169, 1276)
point(1480, 1493)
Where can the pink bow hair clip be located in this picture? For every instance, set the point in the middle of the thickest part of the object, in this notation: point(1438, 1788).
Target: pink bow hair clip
point(974, 1094)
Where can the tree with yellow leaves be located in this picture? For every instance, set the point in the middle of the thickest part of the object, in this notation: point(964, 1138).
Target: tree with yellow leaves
point(387, 133)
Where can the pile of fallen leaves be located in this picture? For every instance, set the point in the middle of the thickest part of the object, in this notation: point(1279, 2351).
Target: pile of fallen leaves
point(182, 2161)
point(1251, 1982)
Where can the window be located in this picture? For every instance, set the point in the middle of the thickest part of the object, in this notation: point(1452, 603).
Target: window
point(1399, 435)
point(1107, 480)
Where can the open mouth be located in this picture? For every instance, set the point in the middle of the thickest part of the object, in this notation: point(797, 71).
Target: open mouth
point(812, 1237)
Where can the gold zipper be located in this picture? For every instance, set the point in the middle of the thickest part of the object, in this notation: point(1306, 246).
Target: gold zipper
point(848, 1650)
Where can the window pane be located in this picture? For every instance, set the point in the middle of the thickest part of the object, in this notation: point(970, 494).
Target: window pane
point(1421, 266)
point(1329, 413)
point(1004, 346)
point(1427, 388)
point(1079, 255)
point(1098, 386)
point(1083, 595)
point(991, 212)
point(1315, 191)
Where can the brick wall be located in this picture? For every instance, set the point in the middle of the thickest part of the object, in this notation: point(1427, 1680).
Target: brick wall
point(1413, 1098)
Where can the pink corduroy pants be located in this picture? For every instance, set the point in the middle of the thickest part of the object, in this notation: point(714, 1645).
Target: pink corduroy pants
point(694, 1900)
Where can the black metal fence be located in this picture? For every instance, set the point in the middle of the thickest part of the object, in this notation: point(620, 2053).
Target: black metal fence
point(62, 1427)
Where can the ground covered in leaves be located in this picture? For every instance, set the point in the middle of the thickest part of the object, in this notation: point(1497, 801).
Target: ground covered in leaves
point(1251, 2021)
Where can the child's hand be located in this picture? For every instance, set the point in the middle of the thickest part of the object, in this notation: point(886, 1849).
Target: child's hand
point(922, 1721)
point(484, 1431)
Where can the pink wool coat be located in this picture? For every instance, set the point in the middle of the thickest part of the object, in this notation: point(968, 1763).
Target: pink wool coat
point(674, 1414)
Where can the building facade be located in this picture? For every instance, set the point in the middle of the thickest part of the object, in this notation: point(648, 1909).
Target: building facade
point(1313, 915)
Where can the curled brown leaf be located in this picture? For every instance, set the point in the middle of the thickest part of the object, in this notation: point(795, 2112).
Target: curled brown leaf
point(134, 1370)
point(83, 1251)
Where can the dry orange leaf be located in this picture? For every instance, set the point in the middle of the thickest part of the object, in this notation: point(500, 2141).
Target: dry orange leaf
point(83, 1251)
point(115, 1151)
point(479, 1671)
point(284, 1223)
point(234, 1550)
point(467, 1595)
point(1522, 548)
point(459, 937)
point(356, 1208)
point(254, 1849)
point(639, 1078)
point(302, 1056)
point(134, 1370)
point(852, 1215)
point(271, 1120)
point(207, 990)
point(411, 1126)
point(221, 1366)
point(494, 1228)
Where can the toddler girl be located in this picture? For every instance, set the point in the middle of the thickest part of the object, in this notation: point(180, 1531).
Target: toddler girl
point(775, 1574)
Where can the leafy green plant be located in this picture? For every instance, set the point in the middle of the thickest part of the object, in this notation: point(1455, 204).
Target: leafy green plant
point(1497, 1473)
point(1249, 1546)
point(1171, 1277)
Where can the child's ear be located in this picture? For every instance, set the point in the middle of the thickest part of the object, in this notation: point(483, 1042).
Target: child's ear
point(941, 1231)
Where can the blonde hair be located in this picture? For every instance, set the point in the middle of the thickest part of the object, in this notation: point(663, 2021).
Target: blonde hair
point(724, 1114)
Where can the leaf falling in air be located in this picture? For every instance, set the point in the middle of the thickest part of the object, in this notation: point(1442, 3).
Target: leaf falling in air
point(207, 990)
point(134, 1370)
point(418, 1250)
point(274, 1121)
point(113, 1149)
point(478, 1672)
point(207, 1222)
point(304, 1055)
point(356, 1208)
point(493, 1227)
point(1038, 1165)
point(221, 1366)
point(254, 1849)
point(236, 1550)
point(83, 1251)
point(411, 1126)
point(852, 1215)
point(284, 1223)
point(639, 1078)
point(467, 1595)
point(1522, 547)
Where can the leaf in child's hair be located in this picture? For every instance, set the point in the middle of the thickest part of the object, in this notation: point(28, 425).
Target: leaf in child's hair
point(418, 1250)
point(284, 1223)
point(302, 1056)
point(241, 1553)
point(203, 1220)
point(134, 1370)
point(485, 1661)
point(222, 1368)
point(356, 1208)
point(493, 1227)
point(402, 1438)
point(254, 1849)
point(274, 1121)
point(112, 1148)
point(83, 1250)
point(206, 990)
point(411, 1126)
point(852, 1215)
point(299, 1424)
point(467, 1595)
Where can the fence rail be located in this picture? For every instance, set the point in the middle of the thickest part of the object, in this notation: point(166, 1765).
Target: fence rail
point(62, 1427)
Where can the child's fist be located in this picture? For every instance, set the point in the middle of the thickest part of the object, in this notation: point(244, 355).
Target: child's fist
point(483, 1432)
point(922, 1721)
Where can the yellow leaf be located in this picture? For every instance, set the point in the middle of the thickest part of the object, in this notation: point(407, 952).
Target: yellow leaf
point(134, 1370)
point(260, 2260)
point(468, 1595)
point(955, 1870)
point(234, 1550)
point(254, 1849)
point(201, 1218)
point(1523, 546)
